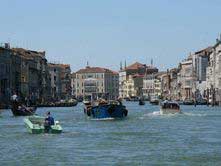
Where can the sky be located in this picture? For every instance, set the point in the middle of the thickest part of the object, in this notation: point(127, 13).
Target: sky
point(106, 32)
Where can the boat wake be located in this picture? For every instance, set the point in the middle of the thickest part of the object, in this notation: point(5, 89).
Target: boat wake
point(193, 114)
point(157, 113)
point(103, 119)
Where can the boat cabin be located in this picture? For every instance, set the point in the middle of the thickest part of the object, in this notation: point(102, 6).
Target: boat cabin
point(170, 105)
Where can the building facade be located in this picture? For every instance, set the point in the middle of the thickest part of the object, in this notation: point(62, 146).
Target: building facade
point(60, 75)
point(23, 72)
point(213, 79)
point(187, 80)
point(131, 79)
point(73, 87)
point(152, 86)
point(97, 82)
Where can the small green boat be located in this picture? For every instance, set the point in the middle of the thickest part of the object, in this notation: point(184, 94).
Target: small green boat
point(35, 125)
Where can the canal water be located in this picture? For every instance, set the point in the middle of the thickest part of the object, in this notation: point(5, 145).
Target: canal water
point(143, 138)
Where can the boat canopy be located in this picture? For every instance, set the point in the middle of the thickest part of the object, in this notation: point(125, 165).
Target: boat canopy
point(170, 105)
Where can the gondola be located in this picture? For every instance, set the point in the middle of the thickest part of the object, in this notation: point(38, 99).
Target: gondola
point(18, 110)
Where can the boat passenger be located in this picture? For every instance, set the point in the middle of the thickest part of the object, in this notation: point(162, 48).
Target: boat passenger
point(49, 121)
point(14, 97)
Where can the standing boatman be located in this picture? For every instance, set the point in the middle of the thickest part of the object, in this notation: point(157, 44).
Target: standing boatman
point(49, 121)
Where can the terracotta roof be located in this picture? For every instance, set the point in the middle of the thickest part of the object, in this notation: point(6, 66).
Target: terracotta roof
point(89, 69)
point(135, 66)
point(114, 72)
point(58, 65)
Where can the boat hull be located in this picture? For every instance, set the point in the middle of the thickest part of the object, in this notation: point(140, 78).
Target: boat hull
point(26, 112)
point(108, 111)
point(72, 104)
point(169, 111)
point(155, 102)
point(141, 102)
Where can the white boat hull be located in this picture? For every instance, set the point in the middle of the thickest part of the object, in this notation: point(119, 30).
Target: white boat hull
point(169, 111)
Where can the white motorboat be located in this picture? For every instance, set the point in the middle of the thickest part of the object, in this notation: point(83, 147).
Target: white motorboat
point(169, 107)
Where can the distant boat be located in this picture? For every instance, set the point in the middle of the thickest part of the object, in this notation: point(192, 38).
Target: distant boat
point(132, 98)
point(188, 102)
point(154, 100)
point(35, 125)
point(105, 110)
point(61, 103)
point(169, 107)
point(141, 102)
point(18, 110)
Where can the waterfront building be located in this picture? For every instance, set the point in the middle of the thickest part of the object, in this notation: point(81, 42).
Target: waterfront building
point(133, 85)
point(213, 77)
point(131, 79)
point(186, 79)
point(5, 74)
point(97, 82)
point(24, 72)
point(34, 75)
point(60, 81)
point(115, 82)
point(200, 64)
point(152, 85)
point(73, 87)
point(165, 85)
point(148, 86)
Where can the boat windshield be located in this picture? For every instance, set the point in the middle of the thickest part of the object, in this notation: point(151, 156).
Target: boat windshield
point(170, 106)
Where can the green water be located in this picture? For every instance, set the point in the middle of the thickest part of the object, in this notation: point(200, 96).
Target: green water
point(143, 138)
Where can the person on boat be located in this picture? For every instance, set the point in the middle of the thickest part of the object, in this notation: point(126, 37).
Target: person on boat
point(14, 97)
point(49, 121)
point(119, 101)
point(15, 101)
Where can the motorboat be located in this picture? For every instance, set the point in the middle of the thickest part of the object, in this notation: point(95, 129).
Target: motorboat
point(103, 109)
point(169, 107)
point(154, 100)
point(35, 125)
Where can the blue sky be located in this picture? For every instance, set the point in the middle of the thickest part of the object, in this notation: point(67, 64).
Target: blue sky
point(105, 32)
